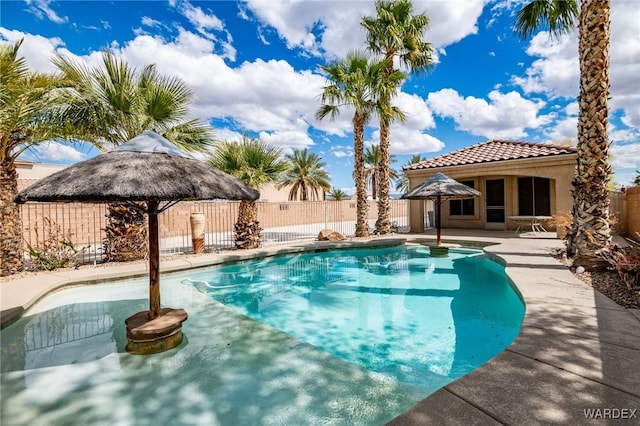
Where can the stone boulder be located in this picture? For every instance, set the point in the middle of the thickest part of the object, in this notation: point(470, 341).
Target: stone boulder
point(330, 235)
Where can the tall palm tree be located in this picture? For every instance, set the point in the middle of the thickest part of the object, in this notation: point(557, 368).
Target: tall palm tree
point(373, 169)
point(27, 103)
point(305, 175)
point(256, 163)
point(113, 103)
point(394, 32)
point(354, 82)
point(590, 231)
point(402, 183)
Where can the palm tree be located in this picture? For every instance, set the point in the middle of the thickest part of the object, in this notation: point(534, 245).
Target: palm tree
point(110, 105)
point(337, 194)
point(394, 32)
point(590, 231)
point(373, 169)
point(636, 181)
point(27, 103)
point(354, 82)
point(305, 175)
point(402, 183)
point(256, 163)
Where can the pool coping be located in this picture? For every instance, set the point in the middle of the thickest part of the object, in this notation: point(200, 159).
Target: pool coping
point(577, 350)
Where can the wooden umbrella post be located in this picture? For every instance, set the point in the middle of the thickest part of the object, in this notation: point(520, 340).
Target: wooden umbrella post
point(154, 261)
point(438, 222)
point(439, 250)
point(157, 329)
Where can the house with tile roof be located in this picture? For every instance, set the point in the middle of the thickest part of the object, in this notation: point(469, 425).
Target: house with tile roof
point(515, 178)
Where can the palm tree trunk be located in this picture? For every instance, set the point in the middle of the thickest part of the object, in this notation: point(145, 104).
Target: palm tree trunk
point(590, 230)
point(126, 232)
point(362, 208)
point(247, 228)
point(11, 247)
point(383, 224)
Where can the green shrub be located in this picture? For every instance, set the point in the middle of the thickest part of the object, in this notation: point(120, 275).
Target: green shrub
point(55, 250)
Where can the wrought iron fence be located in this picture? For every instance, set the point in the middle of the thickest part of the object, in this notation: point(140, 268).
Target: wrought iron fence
point(83, 224)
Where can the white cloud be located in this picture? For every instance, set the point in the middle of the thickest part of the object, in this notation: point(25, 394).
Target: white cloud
point(341, 151)
point(405, 140)
point(261, 96)
point(563, 129)
point(200, 19)
point(37, 50)
point(294, 21)
point(450, 21)
point(227, 135)
point(625, 60)
point(625, 156)
point(556, 73)
point(204, 22)
point(289, 139)
point(566, 126)
point(408, 137)
point(418, 114)
point(150, 22)
point(41, 9)
point(506, 115)
point(56, 152)
point(625, 161)
point(338, 23)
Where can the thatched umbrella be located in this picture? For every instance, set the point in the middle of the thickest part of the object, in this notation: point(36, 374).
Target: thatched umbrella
point(440, 188)
point(149, 173)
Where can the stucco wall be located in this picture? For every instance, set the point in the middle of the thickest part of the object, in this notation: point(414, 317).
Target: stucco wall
point(632, 208)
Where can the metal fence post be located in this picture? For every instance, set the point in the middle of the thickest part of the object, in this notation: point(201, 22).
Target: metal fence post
point(326, 212)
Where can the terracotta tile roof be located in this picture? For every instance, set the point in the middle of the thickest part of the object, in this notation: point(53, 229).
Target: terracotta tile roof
point(493, 150)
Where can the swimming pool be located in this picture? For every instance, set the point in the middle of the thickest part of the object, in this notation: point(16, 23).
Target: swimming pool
point(335, 337)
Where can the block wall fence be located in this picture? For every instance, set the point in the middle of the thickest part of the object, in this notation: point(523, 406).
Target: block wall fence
point(281, 222)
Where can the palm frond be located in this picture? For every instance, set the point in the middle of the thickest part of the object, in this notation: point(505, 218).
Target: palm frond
point(557, 16)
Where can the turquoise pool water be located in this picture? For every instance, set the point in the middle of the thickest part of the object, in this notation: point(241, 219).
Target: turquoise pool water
point(336, 337)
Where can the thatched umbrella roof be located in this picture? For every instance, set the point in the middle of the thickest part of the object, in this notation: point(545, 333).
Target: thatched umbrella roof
point(440, 188)
point(443, 186)
point(143, 172)
point(147, 168)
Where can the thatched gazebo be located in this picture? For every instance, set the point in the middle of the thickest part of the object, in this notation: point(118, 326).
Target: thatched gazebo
point(150, 174)
point(440, 188)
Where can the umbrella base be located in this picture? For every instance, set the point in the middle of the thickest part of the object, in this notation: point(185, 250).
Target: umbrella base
point(439, 250)
point(149, 336)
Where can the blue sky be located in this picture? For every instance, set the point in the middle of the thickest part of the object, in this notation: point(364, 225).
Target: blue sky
point(254, 66)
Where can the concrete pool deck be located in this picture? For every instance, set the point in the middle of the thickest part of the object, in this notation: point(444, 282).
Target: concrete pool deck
point(577, 354)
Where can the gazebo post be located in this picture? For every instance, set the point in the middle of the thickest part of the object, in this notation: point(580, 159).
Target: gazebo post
point(154, 261)
point(157, 329)
point(438, 223)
